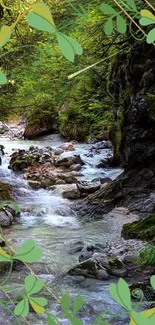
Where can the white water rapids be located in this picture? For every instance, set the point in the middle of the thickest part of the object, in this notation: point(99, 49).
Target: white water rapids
point(48, 219)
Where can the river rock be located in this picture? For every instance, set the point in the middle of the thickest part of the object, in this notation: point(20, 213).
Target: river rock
point(67, 177)
point(40, 125)
point(58, 151)
point(75, 246)
point(71, 194)
point(68, 146)
point(75, 167)
point(8, 214)
point(99, 266)
point(88, 251)
point(46, 178)
point(103, 145)
point(141, 229)
point(34, 184)
point(92, 140)
point(105, 180)
point(22, 159)
point(90, 268)
point(2, 150)
point(67, 160)
point(108, 162)
point(88, 187)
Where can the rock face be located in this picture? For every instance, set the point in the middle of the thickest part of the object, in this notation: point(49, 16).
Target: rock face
point(134, 140)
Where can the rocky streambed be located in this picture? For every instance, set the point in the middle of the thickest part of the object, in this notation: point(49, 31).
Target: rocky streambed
point(47, 177)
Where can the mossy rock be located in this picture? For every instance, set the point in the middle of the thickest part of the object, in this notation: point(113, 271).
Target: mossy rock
point(4, 192)
point(142, 229)
point(115, 263)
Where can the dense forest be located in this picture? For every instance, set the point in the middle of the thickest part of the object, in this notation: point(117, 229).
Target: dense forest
point(38, 72)
point(77, 155)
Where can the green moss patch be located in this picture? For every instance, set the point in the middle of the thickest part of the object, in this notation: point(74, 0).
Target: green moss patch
point(142, 229)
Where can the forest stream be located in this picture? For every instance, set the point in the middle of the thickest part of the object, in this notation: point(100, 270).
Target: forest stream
point(52, 222)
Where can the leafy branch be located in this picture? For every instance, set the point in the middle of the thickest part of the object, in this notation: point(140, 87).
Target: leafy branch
point(39, 17)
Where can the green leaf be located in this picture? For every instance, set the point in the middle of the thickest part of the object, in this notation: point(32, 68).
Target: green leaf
point(50, 320)
point(66, 46)
point(39, 22)
point(151, 36)
point(65, 303)
point(5, 34)
point(147, 14)
point(77, 47)
point(22, 308)
point(124, 293)
point(3, 79)
point(43, 10)
point(4, 256)
point(33, 285)
point(139, 318)
point(28, 252)
point(152, 281)
point(151, 320)
point(131, 4)
point(108, 27)
point(38, 304)
point(75, 321)
point(39, 301)
point(78, 303)
point(121, 293)
point(146, 21)
point(107, 9)
point(121, 24)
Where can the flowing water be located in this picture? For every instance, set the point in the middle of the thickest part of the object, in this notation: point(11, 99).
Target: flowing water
point(51, 221)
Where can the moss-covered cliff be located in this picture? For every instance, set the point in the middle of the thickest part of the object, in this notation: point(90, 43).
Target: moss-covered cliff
point(133, 137)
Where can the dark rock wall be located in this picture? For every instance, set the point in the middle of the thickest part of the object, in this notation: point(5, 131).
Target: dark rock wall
point(133, 85)
point(135, 75)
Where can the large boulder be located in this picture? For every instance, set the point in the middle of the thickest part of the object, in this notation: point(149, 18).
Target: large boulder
point(67, 160)
point(99, 266)
point(88, 251)
point(71, 194)
point(40, 125)
point(88, 187)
